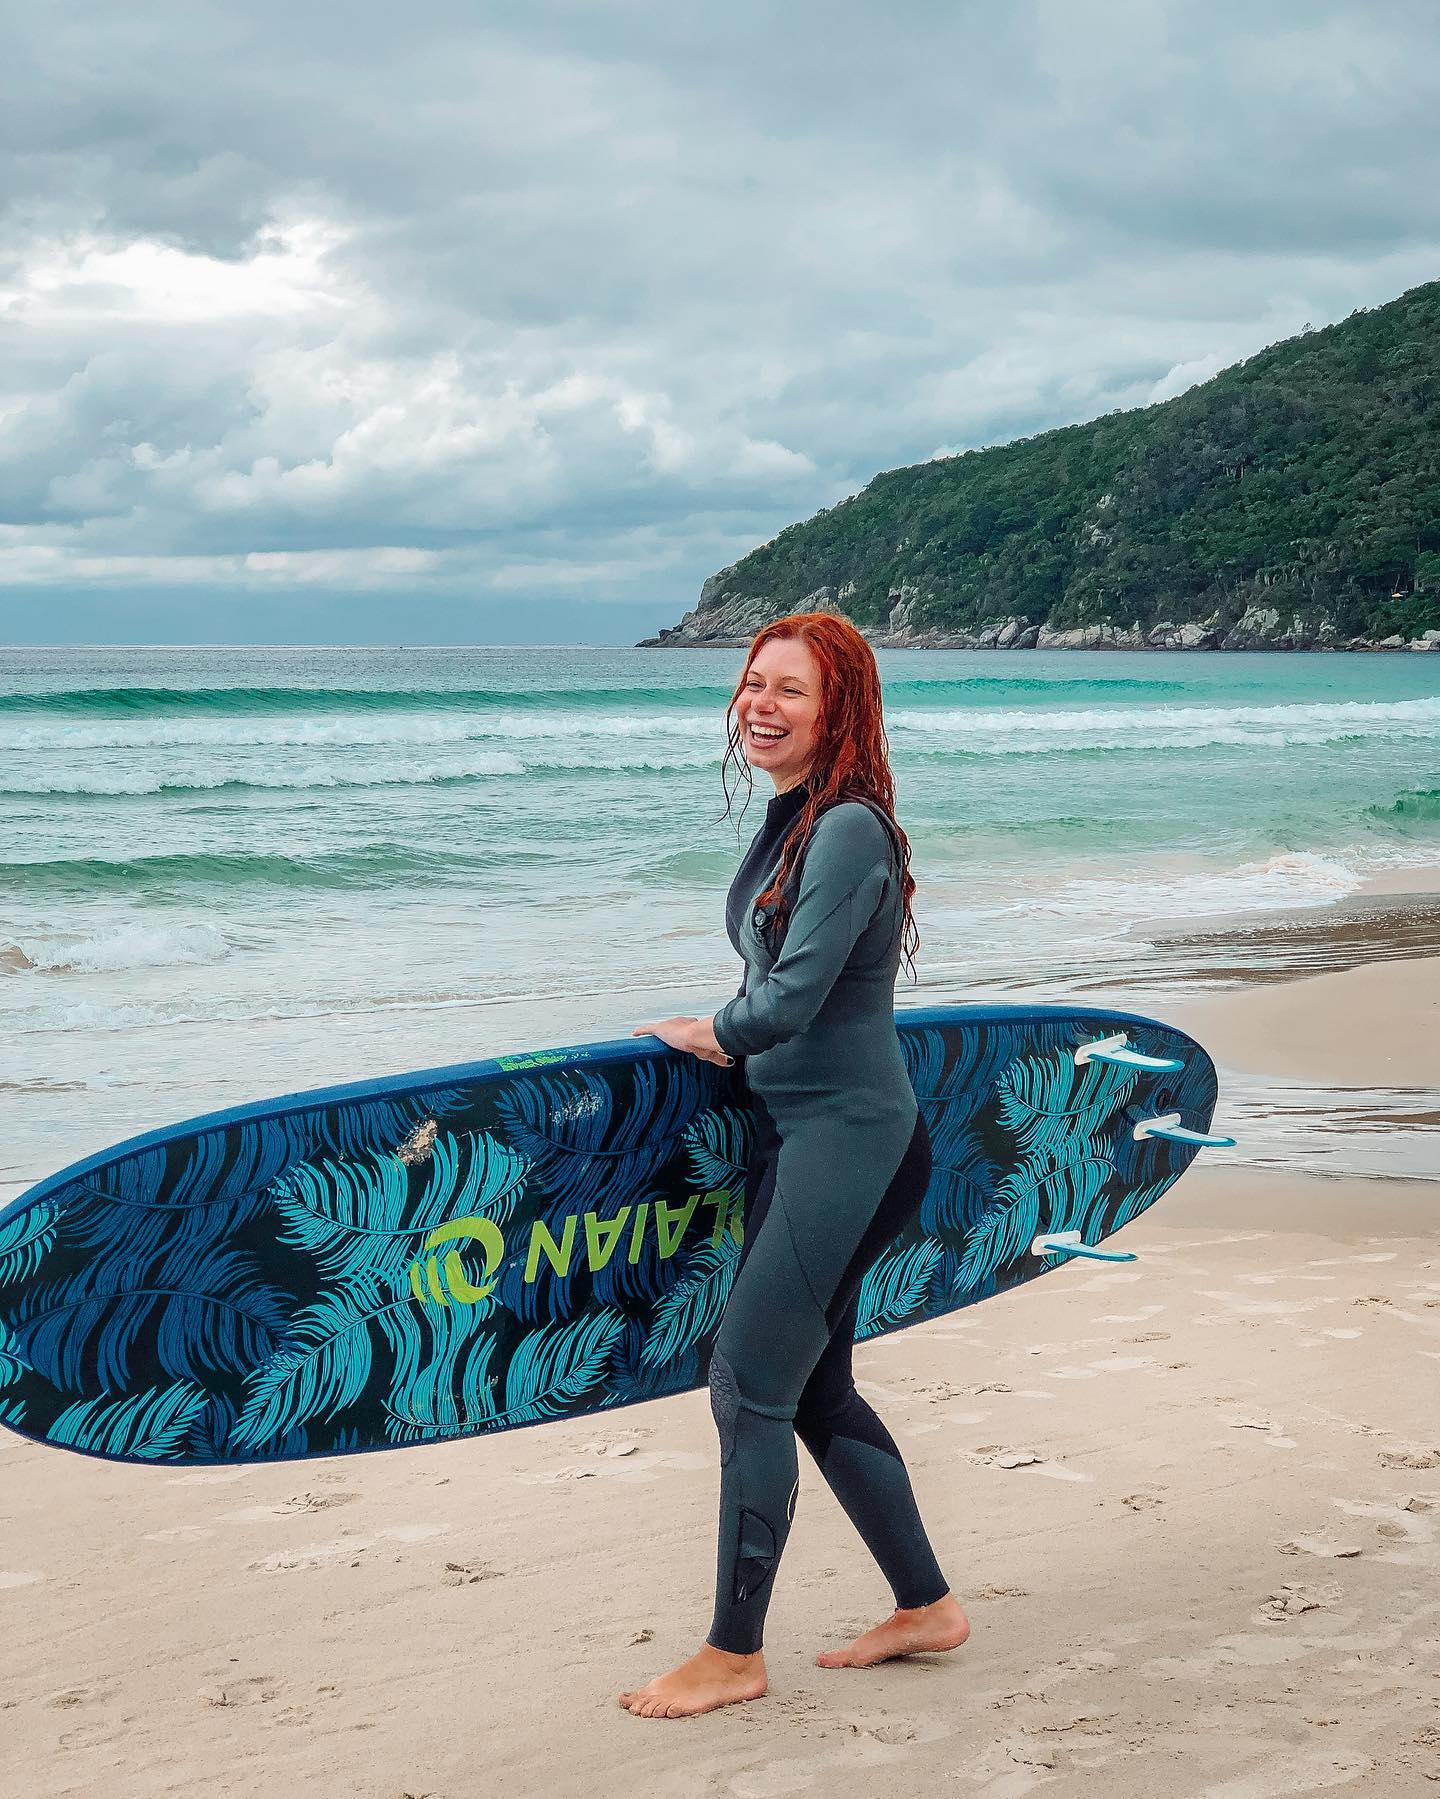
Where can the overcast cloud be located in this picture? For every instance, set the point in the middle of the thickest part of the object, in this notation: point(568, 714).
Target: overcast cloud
point(502, 322)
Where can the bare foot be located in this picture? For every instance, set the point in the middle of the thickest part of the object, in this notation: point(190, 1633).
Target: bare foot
point(926, 1629)
point(711, 1678)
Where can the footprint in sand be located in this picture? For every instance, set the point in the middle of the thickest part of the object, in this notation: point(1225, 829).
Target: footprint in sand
point(1397, 1520)
point(343, 1549)
point(868, 1740)
point(625, 1444)
point(995, 1455)
point(1302, 1774)
point(296, 1506)
point(1112, 1364)
point(70, 1697)
point(252, 1689)
point(1410, 1458)
point(1293, 1600)
point(1321, 1546)
point(91, 1735)
point(625, 1462)
point(1141, 1502)
point(469, 1574)
point(936, 1391)
point(1251, 1310)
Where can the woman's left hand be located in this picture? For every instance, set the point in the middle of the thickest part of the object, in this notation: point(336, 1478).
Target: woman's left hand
point(694, 1035)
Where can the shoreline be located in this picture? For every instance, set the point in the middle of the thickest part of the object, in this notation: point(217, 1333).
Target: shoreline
point(1272, 958)
point(963, 641)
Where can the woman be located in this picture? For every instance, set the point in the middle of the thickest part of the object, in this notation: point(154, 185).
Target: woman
point(819, 911)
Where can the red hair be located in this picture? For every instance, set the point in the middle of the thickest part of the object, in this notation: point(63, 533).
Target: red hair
point(851, 757)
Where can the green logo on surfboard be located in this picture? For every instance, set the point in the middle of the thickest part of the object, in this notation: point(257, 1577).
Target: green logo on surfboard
point(443, 1280)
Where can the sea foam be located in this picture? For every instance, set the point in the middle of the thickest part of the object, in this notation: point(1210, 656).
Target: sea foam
point(1165, 727)
point(126, 946)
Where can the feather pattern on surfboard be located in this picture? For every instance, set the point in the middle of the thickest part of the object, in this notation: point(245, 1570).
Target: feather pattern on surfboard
point(531, 1238)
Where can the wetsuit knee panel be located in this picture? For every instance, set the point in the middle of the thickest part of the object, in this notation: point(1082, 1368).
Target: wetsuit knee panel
point(724, 1404)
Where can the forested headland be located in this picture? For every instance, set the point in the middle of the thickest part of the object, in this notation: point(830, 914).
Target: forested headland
point(1291, 502)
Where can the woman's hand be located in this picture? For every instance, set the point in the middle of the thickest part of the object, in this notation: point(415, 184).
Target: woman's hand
point(694, 1035)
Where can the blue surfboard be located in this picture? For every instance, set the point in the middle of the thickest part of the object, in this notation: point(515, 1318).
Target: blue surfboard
point(477, 1248)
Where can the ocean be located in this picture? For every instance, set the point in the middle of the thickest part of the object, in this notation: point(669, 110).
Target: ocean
point(233, 872)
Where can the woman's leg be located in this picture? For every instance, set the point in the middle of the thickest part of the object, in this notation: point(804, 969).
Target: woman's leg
point(716, 1676)
point(845, 1438)
point(776, 1328)
point(772, 1334)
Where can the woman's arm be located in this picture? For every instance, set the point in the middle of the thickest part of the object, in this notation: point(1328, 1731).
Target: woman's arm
point(845, 875)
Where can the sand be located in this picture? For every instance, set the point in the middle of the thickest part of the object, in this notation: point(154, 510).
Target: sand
point(1217, 1576)
point(1375, 1026)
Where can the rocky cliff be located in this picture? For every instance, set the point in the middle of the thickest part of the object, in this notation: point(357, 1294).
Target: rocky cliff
point(1291, 503)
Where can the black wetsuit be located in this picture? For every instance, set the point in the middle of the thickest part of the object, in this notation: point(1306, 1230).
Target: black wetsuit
point(841, 1162)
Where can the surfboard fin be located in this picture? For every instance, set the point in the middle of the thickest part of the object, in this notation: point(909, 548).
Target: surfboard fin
point(1114, 1051)
point(1171, 1130)
point(1068, 1243)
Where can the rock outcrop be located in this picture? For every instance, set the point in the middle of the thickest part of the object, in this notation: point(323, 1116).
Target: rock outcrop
point(1256, 629)
point(723, 617)
point(727, 618)
point(1170, 636)
point(1091, 637)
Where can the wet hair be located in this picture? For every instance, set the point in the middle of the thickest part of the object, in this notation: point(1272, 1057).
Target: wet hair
point(851, 755)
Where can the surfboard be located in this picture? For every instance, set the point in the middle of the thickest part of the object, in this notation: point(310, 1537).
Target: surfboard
point(535, 1237)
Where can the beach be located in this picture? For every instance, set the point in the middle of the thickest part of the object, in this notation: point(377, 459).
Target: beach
point(1192, 1503)
point(1209, 1565)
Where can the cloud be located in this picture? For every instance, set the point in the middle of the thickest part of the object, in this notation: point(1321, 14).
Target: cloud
point(590, 303)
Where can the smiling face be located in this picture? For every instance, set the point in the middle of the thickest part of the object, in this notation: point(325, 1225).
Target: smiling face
point(778, 708)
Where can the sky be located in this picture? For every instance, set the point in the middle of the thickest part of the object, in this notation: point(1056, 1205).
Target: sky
point(501, 323)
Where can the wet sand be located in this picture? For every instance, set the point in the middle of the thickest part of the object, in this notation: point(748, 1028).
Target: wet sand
point(1269, 949)
point(1218, 1576)
point(1369, 1026)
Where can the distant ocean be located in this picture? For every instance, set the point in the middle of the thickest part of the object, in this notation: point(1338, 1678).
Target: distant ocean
point(226, 873)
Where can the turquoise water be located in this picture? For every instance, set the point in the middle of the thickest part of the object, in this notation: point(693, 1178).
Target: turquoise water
point(226, 872)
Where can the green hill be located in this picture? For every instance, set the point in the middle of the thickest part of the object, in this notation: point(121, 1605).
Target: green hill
point(1303, 483)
